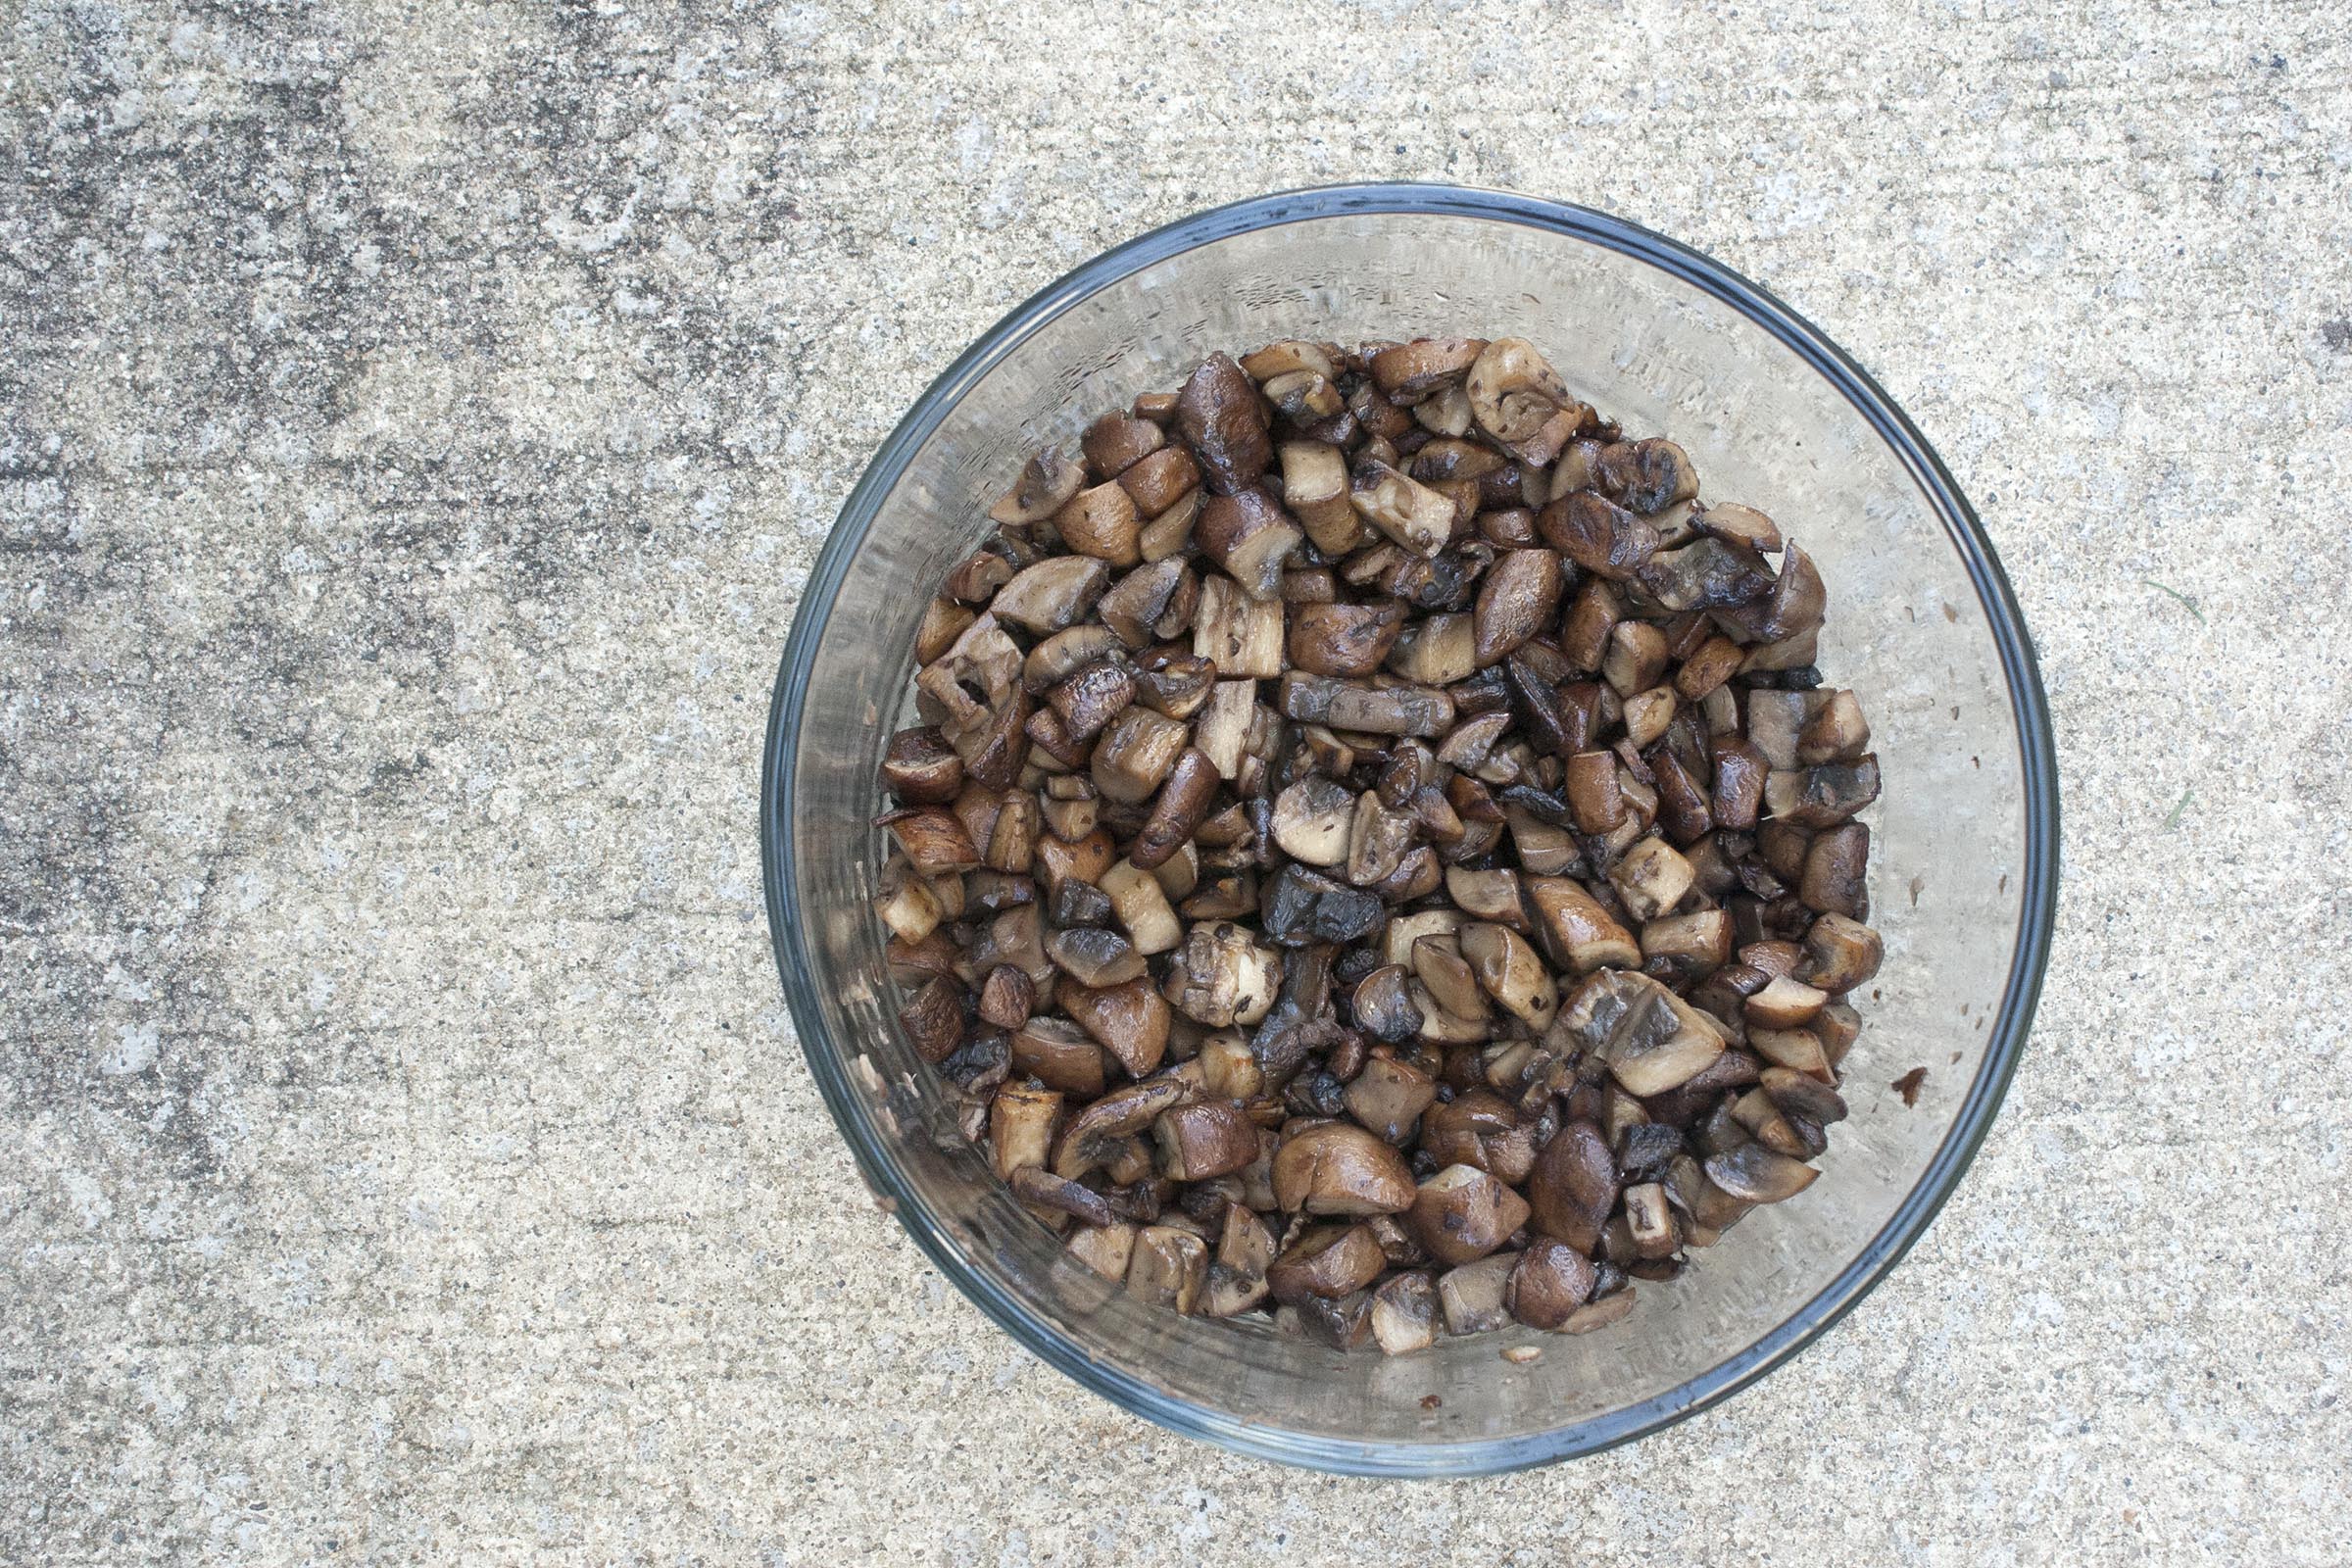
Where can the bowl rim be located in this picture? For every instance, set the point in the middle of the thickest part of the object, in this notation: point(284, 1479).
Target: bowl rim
point(2028, 707)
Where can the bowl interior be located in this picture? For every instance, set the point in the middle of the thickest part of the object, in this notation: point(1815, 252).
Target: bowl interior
point(1919, 626)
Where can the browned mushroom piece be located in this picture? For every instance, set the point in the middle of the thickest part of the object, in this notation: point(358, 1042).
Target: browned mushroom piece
point(1472, 1296)
point(1488, 894)
point(1059, 1055)
point(1326, 1260)
point(1221, 977)
point(1052, 594)
point(1824, 796)
point(1793, 608)
point(1221, 416)
point(1755, 1174)
point(1651, 1038)
point(1337, 1168)
point(1406, 1314)
point(1548, 1284)
point(1241, 635)
point(1784, 1004)
point(1652, 878)
point(1838, 872)
point(1407, 373)
point(1655, 1235)
point(1598, 535)
point(1414, 516)
point(1509, 969)
point(933, 1020)
point(1437, 651)
point(1744, 526)
point(1577, 929)
point(1599, 1314)
point(1513, 391)
point(1198, 1143)
point(1131, 1021)
point(1116, 442)
point(1311, 820)
point(1169, 1267)
point(1045, 487)
point(1101, 522)
point(1237, 1278)
point(1250, 536)
point(1022, 1123)
point(1136, 749)
point(1840, 953)
point(1158, 479)
point(1006, 998)
point(933, 840)
point(1382, 1005)
point(1388, 1097)
point(1462, 1213)
point(1344, 640)
point(1837, 730)
point(1106, 1250)
point(1517, 599)
point(1572, 1187)
point(1647, 475)
point(1130, 612)
point(1182, 804)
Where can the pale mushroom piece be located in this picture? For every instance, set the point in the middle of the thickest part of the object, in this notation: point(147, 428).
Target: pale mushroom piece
point(1407, 373)
point(1652, 878)
point(1021, 1127)
point(1221, 977)
point(1411, 513)
point(1312, 818)
point(1241, 635)
point(1406, 1314)
point(1222, 727)
point(1437, 649)
point(1443, 413)
point(1106, 1250)
point(1142, 906)
point(1512, 390)
point(1237, 1278)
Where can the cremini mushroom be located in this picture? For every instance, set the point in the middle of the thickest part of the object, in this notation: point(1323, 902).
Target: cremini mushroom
point(1339, 1168)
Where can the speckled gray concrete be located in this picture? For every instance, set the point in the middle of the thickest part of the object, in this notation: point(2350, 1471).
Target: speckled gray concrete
point(418, 427)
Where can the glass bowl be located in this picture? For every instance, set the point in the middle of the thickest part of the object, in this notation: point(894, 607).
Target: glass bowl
point(1921, 624)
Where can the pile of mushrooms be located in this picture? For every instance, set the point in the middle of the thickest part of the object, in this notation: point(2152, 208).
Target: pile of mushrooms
point(1378, 850)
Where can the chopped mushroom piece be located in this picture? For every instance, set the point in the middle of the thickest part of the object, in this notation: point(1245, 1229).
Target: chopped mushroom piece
point(1329, 1260)
point(1335, 1168)
point(1169, 1267)
point(1106, 1250)
point(1404, 1314)
point(1464, 1214)
point(1472, 1296)
point(1249, 534)
point(1045, 487)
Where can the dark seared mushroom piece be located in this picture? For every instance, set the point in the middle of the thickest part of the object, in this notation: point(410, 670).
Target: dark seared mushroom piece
point(1220, 415)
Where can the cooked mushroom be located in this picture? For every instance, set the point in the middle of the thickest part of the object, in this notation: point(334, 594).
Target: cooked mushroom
point(1045, 487)
point(1836, 872)
point(1517, 600)
point(1142, 906)
point(1158, 479)
point(1201, 1142)
point(1437, 651)
point(1006, 998)
point(1241, 635)
point(1755, 1174)
point(1508, 970)
point(1388, 1097)
point(1182, 804)
point(1328, 1260)
point(1312, 818)
point(933, 840)
point(1793, 609)
point(1344, 640)
point(1051, 594)
point(1654, 1232)
point(1513, 390)
point(1601, 1313)
point(1169, 1267)
point(1573, 1186)
point(1220, 413)
point(1824, 796)
point(1404, 1314)
point(1382, 1005)
point(1462, 1213)
point(1021, 1126)
point(1249, 534)
point(1407, 373)
point(1488, 894)
point(1408, 512)
point(1577, 929)
point(920, 768)
point(1374, 709)
point(1472, 1296)
point(1647, 475)
point(1136, 749)
point(1337, 1169)
point(1784, 1004)
point(1651, 1038)
point(1551, 1281)
point(1604, 538)
point(1106, 1250)
point(1237, 1279)
point(1220, 977)
point(1840, 953)
point(1101, 522)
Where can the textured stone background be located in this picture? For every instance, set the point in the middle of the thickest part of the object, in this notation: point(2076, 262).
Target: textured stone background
point(416, 424)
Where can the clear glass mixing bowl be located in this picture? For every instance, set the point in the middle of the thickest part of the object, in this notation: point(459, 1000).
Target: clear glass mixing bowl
point(1921, 624)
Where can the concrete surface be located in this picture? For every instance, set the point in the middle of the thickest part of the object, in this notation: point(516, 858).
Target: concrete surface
point(417, 424)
